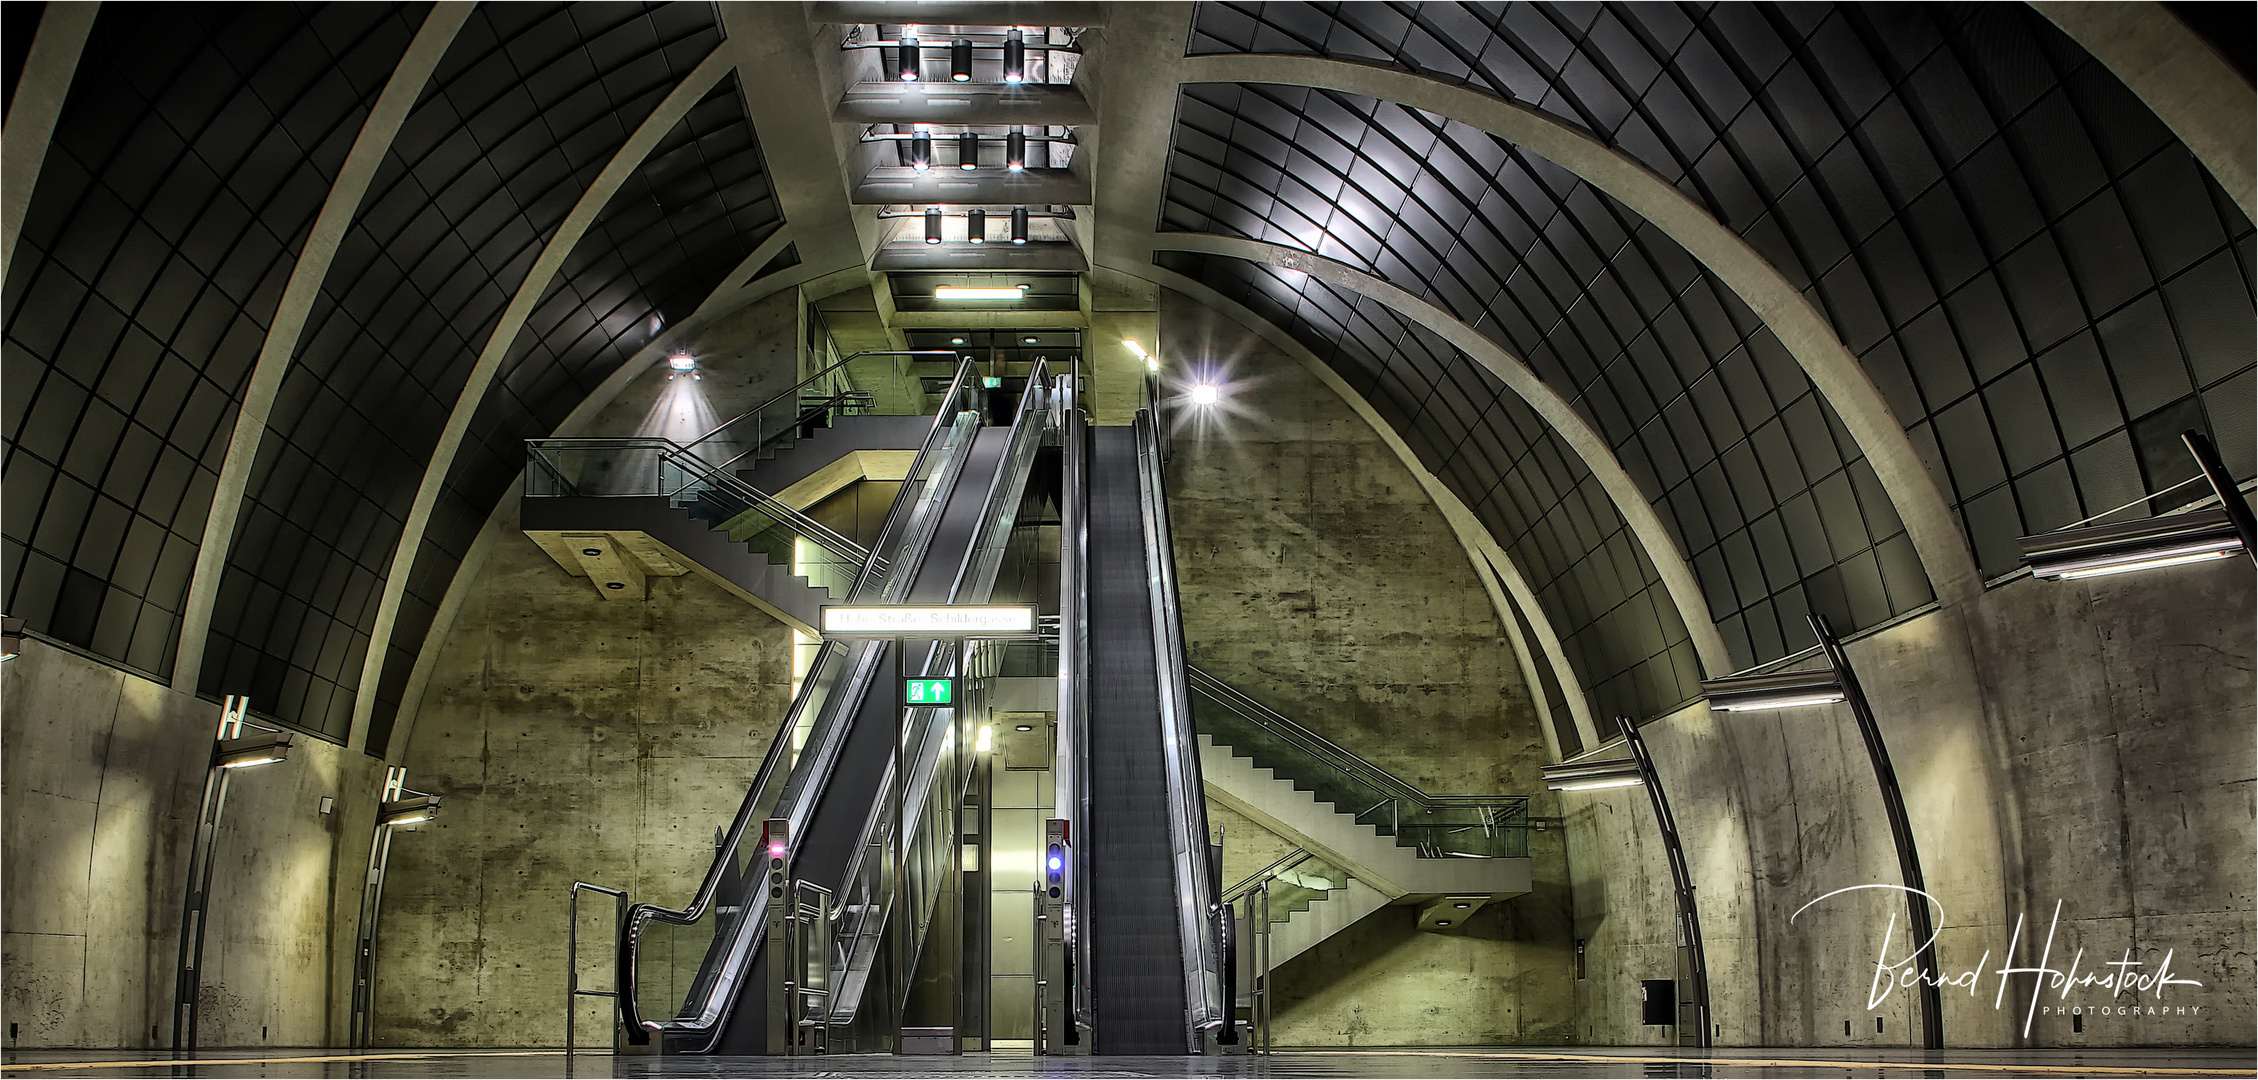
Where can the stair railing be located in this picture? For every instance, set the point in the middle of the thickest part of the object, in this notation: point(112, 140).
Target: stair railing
point(767, 427)
point(1486, 826)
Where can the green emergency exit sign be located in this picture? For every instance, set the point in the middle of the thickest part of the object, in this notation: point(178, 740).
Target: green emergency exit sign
point(929, 691)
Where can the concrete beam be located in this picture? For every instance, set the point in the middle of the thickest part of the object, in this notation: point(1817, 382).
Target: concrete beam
point(40, 89)
point(2185, 82)
point(393, 104)
point(772, 47)
point(1800, 326)
point(1677, 575)
point(623, 164)
point(1482, 549)
point(893, 185)
point(959, 104)
point(1053, 257)
point(963, 12)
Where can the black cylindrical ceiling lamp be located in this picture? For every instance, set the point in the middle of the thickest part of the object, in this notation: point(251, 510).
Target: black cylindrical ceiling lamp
point(1015, 58)
point(960, 60)
point(920, 151)
point(968, 151)
point(932, 224)
point(976, 226)
point(1019, 225)
point(906, 58)
point(1015, 150)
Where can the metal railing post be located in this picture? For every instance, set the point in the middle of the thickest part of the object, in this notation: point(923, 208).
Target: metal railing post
point(573, 992)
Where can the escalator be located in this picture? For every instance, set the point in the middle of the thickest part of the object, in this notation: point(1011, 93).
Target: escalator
point(830, 776)
point(1148, 946)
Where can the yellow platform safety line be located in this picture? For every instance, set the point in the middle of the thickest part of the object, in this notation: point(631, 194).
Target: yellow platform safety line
point(167, 1062)
point(2018, 1068)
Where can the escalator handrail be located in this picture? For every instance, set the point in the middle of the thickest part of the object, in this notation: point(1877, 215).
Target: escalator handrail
point(1197, 891)
point(780, 749)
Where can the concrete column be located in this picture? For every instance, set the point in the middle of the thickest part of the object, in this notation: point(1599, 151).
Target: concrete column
point(40, 89)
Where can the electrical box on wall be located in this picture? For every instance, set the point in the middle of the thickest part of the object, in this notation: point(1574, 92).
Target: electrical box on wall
point(1658, 1002)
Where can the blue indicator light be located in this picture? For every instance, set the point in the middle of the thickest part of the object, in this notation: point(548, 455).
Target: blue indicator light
point(1057, 863)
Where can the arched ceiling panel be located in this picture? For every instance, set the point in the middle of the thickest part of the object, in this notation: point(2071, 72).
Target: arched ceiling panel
point(195, 147)
point(526, 109)
point(2045, 286)
point(696, 208)
point(1709, 415)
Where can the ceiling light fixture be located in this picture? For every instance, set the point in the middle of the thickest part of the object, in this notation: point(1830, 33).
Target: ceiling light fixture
point(1024, 727)
point(976, 226)
point(1015, 151)
point(956, 341)
point(1015, 58)
point(920, 151)
point(968, 151)
point(1019, 225)
point(966, 292)
point(1029, 341)
point(960, 60)
point(932, 224)
point(906, 58)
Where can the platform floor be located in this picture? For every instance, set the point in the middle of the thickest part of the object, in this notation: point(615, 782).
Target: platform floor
point(1317, 1063)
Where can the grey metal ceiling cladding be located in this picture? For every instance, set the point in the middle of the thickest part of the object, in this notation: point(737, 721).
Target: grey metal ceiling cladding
point(195, 149)
point(527, 107)
point(2018, 309)
point(697, 207)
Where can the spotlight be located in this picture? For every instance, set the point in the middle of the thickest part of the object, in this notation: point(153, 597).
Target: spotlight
point(933, 225)
point(960, 60)
point(682, 361)
point(956, 341)
point(1019, 225)
point(906, 58)
point(920, 151)
point(976, 228)
point(1592, 775)
point(1024, 727)
point(1204, 394)
point(968, 151)
point(1029, 341)
point(1015, 151)
point(1015, 58)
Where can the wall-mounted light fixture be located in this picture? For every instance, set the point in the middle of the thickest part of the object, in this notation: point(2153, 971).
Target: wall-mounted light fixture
point(232, 752)
point(1206, 394)
point(1838, 683)
point(965, 292)
point(987, 739)
point(968, 151)
point(399, 806)
point(2196, 536)
point(11, 638)
point(1015, 151)
point(1592, 775)
point(1152, 363)
point(1015, 58)
point(960, 60)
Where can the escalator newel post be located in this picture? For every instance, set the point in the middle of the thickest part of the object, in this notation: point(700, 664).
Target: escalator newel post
point(783, 980)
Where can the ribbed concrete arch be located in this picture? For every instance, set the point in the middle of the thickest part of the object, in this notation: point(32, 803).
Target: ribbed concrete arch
point(737, 289)
point(1799, 325)
point(393, 104)
point(32, 113)
point(623, 164)
point(2181, 79)
point(1504, 578)
point(1677, 574)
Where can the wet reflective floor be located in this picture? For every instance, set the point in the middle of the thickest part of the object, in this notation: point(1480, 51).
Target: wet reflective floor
point(1322, 1063)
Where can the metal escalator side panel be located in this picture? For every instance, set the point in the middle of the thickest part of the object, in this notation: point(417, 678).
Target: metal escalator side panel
point(1195, 873)
point(1070, 766)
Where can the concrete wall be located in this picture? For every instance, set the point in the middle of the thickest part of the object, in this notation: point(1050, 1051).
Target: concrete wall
point(1319, 579)
point(2084, 743)
point(575, 736)
point(101, 774)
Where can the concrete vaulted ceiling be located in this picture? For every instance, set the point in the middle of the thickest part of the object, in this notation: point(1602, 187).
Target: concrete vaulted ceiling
point(1691, 323)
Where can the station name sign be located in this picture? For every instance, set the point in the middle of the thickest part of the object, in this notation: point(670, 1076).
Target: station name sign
point(930, 621)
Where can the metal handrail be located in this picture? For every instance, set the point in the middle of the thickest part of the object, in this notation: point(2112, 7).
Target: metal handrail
point(573, 992)
point(803, 384)
point(669, 452)
point(1277, 866)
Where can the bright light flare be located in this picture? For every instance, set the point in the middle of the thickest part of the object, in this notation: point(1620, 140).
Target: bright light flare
point(1206, 394)
point(961, 292)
